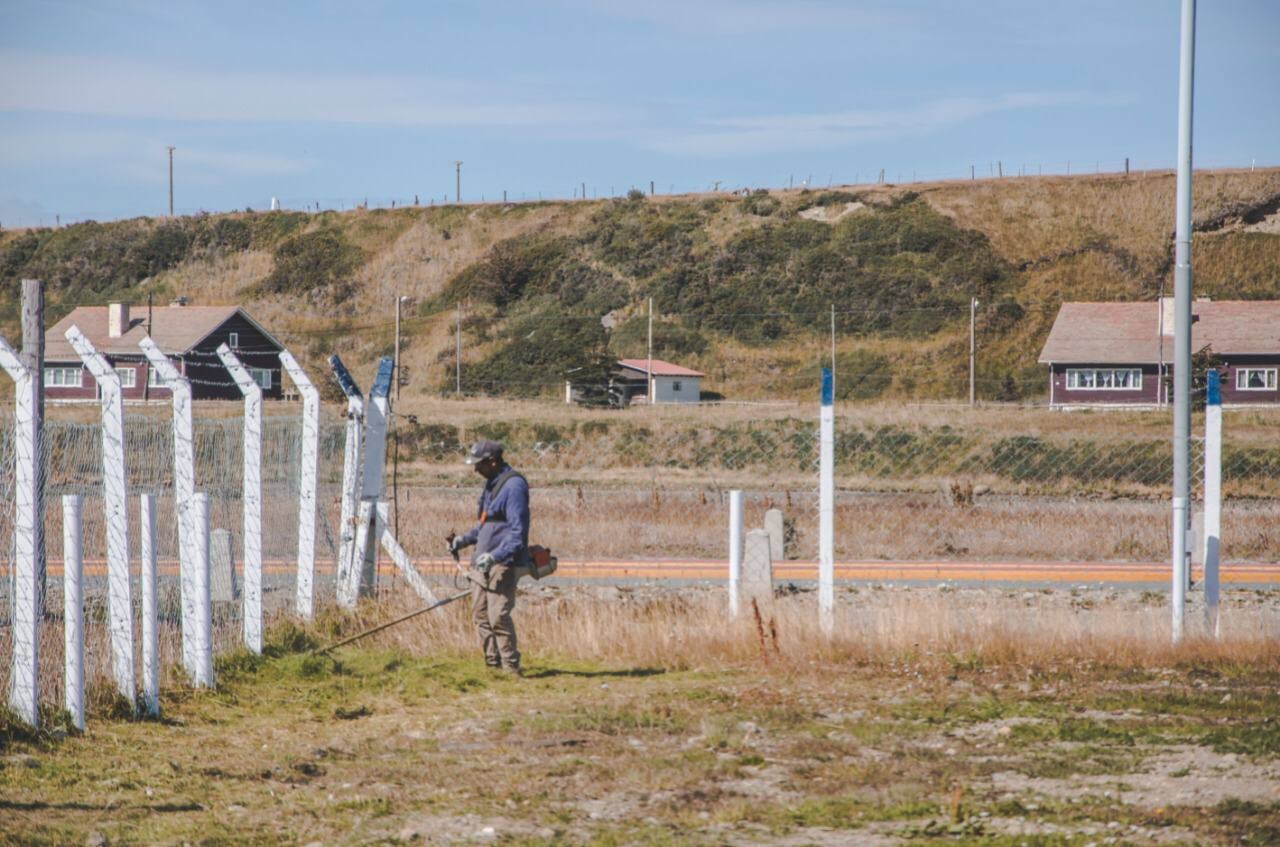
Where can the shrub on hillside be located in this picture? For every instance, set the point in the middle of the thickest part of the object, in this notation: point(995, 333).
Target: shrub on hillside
point(861, 375)
point(671, 339)
point(311, 262)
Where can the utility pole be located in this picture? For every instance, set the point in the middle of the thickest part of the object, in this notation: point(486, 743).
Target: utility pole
point(33, 358)
point(833, 346)
point(1182, 321)
point(649, 368)
point(973, 347)
point(170, 180)
point(457, 181)
point(457, 355)
point(399, 299)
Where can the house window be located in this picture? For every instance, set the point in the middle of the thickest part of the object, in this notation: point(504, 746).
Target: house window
point(154, 380)
point(128, 377)
point(262, 376)
point(233, 340)
point(1105, 379)
point(63, 377)
point(675, 385)
point(1256, 379)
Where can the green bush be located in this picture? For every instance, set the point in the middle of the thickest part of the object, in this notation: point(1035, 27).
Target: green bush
point(311, 262)
point(671, 339)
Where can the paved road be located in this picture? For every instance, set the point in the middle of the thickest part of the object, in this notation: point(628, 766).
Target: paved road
point(1254, 573)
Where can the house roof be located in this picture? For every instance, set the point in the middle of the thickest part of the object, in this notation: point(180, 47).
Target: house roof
point(1129, 333)
point(660, 368)
point(176, 329)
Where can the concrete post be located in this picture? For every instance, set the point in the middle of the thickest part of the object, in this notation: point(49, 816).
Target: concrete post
point(775, 526)
point(73, 608)
point(757, 570)
point(203, 642)
point(150, 611)
point(735, 551)
point(252, 497)
point(826, 505)
point(25, 670)
point(305, 601)
point(1212, 500)
point(222, 569)
point(115, 514)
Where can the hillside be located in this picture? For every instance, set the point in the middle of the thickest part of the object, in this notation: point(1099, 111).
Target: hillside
point(742, 286)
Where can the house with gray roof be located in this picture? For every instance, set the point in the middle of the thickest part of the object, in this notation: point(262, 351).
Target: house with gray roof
point(1120, 354)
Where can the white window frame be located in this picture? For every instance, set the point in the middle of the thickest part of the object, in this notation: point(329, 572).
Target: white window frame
point(1268, 379)
point(1104, 379)
point(233, 340)
point(154, 380)
point(128, 376)
point(63, 377)
point(262, 376)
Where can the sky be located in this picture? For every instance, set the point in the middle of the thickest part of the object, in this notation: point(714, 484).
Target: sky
point(338, 103)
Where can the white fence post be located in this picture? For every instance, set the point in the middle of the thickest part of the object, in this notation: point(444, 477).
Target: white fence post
point(24, 698)
point(203, 630)
point(307, 484)
point(826, 505)
point(150, 613)
point(73, 607)
point(116, 513)
point(1212, 499)
point(184, 487)
point(252, 496)
point(345, 595)
point(735, 552)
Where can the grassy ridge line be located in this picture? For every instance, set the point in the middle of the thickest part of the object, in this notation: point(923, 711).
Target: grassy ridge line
point(325, 281)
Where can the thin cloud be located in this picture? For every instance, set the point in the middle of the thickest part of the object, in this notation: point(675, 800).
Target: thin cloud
point(828, 130)
point(747, 17)
point(126, 88)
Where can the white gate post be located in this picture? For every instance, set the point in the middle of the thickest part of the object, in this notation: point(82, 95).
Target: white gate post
point(346, 596)
point(252, 496)
point(307, 484)
point(184, 487)
point(826, 505)
point(24, 675)
point(73, 608)
point(150, 634)
point(202, 677)
point(735, 551)
point(1212, 499)
point(116, 513)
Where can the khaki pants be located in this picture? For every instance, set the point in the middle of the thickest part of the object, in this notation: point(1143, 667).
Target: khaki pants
point(491, 608)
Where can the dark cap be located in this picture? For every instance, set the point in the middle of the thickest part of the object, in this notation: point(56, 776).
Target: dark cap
point(483, 449)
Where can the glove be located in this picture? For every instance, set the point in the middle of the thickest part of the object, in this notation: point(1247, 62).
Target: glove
point(455, 544)
point(485, 561)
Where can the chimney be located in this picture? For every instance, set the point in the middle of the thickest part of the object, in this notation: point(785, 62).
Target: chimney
point(117, 319)
point(1166, 316)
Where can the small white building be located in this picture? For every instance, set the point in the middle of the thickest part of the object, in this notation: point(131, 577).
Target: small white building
point(633, 381)
point(668, 383)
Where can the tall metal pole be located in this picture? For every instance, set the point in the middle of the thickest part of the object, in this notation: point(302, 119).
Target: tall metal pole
point(649, 367)
point(170, 184)
point(973, 346)
point(457, 355)
point(396, 367)
point(457, 182)
point(1182, 320)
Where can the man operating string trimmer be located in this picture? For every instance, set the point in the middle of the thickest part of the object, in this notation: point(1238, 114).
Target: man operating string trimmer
point(501, 540)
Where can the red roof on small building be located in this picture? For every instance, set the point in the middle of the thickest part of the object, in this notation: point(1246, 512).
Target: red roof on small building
point(660, 368)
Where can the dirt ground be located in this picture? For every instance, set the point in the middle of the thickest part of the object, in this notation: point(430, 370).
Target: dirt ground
point(646, 718)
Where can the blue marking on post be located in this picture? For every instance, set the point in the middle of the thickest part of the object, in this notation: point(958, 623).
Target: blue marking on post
point(1213, 388)
point(828, 387)
point(343, 376)
point(382, 380)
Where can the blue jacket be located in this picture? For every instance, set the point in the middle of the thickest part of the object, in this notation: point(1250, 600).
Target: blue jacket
point(504, 521)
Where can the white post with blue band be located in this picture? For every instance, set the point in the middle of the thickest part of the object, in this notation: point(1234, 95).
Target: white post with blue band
point(826, 504)
point(1212, 499)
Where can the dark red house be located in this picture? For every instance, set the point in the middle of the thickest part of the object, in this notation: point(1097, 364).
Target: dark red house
point(188, 335)
point(1114, 354)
